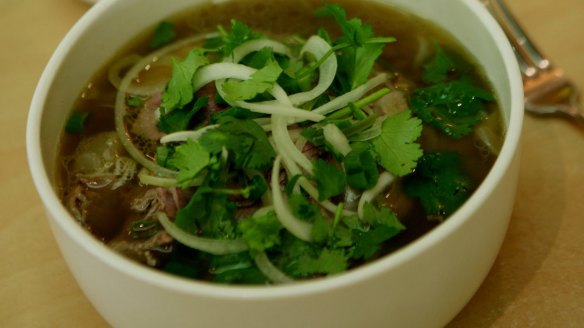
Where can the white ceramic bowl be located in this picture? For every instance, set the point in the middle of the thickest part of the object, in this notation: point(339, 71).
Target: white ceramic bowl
point(422, 285)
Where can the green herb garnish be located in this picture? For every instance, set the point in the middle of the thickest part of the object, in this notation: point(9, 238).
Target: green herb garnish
point(440, 183)
point(163, 35)
point(396, 147)
point(76, 122)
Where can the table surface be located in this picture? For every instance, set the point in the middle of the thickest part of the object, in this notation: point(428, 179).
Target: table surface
point(537, 280)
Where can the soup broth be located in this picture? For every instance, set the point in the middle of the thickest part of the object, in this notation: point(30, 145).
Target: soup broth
point(120, 200)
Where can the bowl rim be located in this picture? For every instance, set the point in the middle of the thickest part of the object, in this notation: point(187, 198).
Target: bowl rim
point(58, 214)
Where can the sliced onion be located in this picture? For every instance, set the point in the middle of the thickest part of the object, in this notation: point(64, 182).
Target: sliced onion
point(300, 229)
point(152, 180)
point(182, 136)
point(488, 139)
point(280, 109)
point(336, 138)
point(153, 58)
point(385, 179)
point(221, 71)
point(327, 70)
point(285, 144)
point(207, 245)
point(274, 274)
point(113, 74)
point(256, 45)
point(133, 151)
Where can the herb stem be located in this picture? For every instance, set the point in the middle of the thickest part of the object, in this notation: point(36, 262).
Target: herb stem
point(359, 103)
point(230, 192)
point(306, 70)
point(359, 126)
point(338, 215)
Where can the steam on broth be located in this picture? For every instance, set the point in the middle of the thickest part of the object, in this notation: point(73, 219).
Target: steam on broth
point(262, 142)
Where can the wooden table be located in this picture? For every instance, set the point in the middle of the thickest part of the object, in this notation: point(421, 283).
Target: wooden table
point(537, 281)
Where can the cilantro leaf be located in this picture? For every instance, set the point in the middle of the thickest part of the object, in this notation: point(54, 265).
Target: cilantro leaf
point(289, 254)
point(321, 229)
point(359, 48)
point(381, 216)
point(261, 81)
point(354, 31)
point(302, 208)
point(310, 212)
point(261, 232)
point(163, 156)
point(237, 112)
point(361, 167)
point(342, 237)
point(329, 261)
point(135, 101)
point(452, 107)
point(208, 214)
point(245, 139)
point(190, 159)
point(163, 34)
point(239, 34)
point(368, 243)
point(302, 259)
point(183, 262)
point(440, 184)
point(383, 225)
point(258, 187)
point(179, 89)
point(179, 119)
point(76, 122)
point(439, 67)
point(365, 58)
point(260, 58)
point(396, 147)
point(330, 181)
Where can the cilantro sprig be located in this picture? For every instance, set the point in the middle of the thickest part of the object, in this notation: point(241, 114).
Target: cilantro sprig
point(261, 81)
point(179, 90)
point(238, 34)
point(451, 102)
point(396, 146)
point(440, 183)
point(163, 34)
point(359, 47)
point(245, 139)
